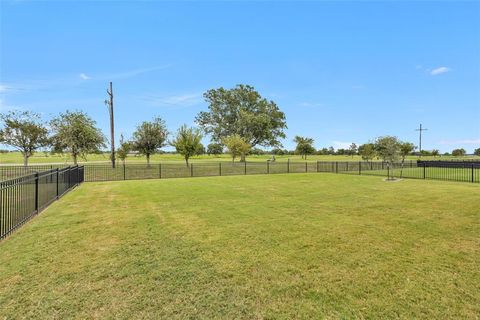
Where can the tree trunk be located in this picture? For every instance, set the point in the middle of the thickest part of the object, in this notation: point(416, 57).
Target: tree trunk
point(148, 159)
point(186, 161)
point(74, 159)
point(25, 160)
point(242, 157)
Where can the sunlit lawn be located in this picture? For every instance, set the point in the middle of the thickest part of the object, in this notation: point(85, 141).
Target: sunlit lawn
point(274, 247)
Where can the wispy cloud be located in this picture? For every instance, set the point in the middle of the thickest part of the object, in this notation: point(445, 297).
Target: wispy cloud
point(83, 76)
point(439, 70)
point(133, 72)
point(6, 107)
point(464, 141)
point(180, 100)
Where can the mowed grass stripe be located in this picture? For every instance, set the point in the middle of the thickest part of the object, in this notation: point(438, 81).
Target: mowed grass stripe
point(278, 246)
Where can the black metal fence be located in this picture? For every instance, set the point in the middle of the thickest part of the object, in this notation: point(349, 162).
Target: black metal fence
point(23, 197)
point(466, 172)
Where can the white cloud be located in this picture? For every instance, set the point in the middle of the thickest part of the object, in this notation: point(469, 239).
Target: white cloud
point(181, 100)
point(465, 141)
point(134, 72)
point(439, 70)
point(83, 76)
point(3, 88)
point(341, 144)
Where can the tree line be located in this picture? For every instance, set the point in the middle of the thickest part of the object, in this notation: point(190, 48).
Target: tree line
point(239, 120)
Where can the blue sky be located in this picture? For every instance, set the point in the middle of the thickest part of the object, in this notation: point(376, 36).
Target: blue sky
point(341, 71)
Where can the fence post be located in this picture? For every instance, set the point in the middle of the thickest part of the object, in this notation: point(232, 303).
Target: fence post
point(268, 167)
point(220, 168)
point(288, 165)
point(388, 171)
point(57, 183)
point(472, 174)
point(191, 169)
point(359, 167)
point(245, 167)
point(317, 166)
point(36, 192)
point(346, 166)
point(424, 166)
point(159, 171)
point(306, 166)
point(124, 172)
point(336, 166)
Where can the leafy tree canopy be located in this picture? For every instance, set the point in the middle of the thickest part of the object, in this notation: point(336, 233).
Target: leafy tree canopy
point(459, 152)
point(215, 148)
point(244, 112)
point(388, 148)
point(75, 132)
point(367, 151)
point(149, 137)
point(304, 146)
point(188, 142)
point(24, 131)
point(236, 146)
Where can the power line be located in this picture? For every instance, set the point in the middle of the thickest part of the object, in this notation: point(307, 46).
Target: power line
point(420, 138)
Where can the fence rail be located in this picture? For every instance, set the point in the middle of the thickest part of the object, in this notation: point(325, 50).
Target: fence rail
point(23, 197)
point(453, 171)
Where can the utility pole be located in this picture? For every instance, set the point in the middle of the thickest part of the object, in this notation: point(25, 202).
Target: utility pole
point(109, 103)
point(420, 138)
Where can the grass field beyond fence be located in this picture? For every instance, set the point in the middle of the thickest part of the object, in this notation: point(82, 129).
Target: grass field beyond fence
point(275, 247)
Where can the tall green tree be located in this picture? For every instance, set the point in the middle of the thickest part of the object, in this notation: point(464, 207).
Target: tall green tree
point(237, 146)
point(405, 149)
point(124, 149)
point(367, 151)
point(24, 131)
point(76, 133)
point(188, 142)
point(477, 152)
point(149, 137)
point(388, 148)
point(435, 152)
point(242, 111)
point(304, 146)
point(214, 148)
point(353, 149)
point(459, 152)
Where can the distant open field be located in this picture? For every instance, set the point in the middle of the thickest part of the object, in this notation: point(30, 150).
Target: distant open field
point(41, 157)
point(249, 247)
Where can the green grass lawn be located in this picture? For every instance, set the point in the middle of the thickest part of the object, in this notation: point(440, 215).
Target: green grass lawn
point(42, 157)
point(252, 247)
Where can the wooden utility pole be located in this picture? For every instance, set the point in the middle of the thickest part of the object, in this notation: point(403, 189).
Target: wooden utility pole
point(109, 104)
point(420, 138)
